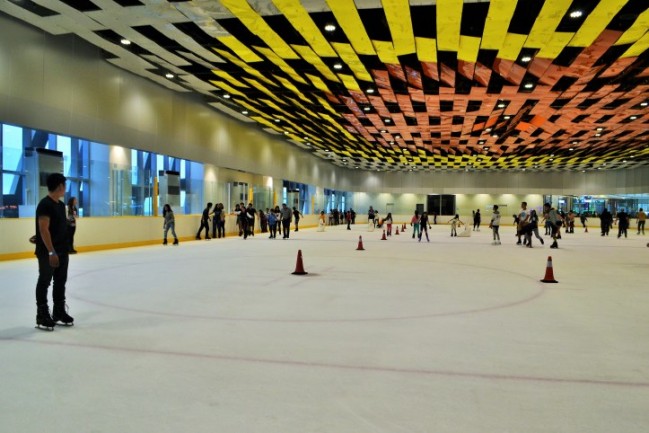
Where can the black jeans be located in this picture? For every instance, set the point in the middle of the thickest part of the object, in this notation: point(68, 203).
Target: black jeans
point(71, 231)
point(286, 225)
point(204, 225)
point(46, 274)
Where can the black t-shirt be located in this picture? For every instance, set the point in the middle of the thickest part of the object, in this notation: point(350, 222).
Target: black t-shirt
point(55, 210)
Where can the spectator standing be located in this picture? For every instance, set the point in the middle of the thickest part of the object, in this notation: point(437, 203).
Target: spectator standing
point(52, 252)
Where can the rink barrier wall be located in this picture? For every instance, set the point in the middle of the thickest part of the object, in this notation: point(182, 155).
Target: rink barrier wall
point(108, 233)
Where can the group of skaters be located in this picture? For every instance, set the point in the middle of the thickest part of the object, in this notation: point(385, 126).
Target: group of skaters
point(274, 220)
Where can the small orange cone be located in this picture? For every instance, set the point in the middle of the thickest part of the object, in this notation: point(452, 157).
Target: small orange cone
point(299, 266)
point(384, 238)
point(549, 275)
point(360, 244)
point(397, 232)
point(403, 227)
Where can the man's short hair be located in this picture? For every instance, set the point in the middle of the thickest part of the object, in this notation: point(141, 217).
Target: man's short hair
point(54, 180)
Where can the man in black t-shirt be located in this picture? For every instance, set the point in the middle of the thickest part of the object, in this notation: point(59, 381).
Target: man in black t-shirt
point(52, 253)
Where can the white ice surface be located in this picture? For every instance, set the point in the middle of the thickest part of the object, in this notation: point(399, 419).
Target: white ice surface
point(451, 336)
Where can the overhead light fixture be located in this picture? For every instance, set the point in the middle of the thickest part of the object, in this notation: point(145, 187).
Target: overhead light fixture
point(338, 66)
point(495, 136)
point(169, 75)
point(571, 149)
point(286, 133)
point(277, 120)
point(576, 13)
point(644, 104)
point(383, 131)
point(330, 28)
point(387, 120)
point(244, 112)
point(501, 105)
point(526, 59)
point(488, 130)
point(226, 96)
point(600, 128)
point(370, 90)
point(633, 117)
point(125, 41)
point(507, 117)
point(529, 85)
point(326, 150)
point(366, 108)
point(598, 135)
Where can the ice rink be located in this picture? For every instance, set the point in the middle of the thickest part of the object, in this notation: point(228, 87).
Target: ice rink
point(451, 336)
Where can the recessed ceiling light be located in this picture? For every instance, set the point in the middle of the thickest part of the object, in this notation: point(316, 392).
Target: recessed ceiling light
point(226, 96)
point(529, 85)
point(572, 148)
point(633, 117)
point(383, 131)
point(576, 14)
point(507, 117)
point(244, 112)
point(125, 41)
point(392, 142)
point(366, 108)
point(488, 130)
point(600, 128)
point(370, 90)
point(169, 75)
point(501, 105)
point(397, 137)
point(644, 104)
point(330, 28)
point(598, 135)
point(526, 59)
point(338, 66)
point(277, 120)
point(286, 132)
point(575, 142)
point(387, 120)
point(495, 136)
point(326, 150)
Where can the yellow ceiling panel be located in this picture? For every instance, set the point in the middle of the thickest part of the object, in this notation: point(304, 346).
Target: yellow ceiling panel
point(386, 52)
point(228, 77)
point(277, 60)
point(512, 46)
point(596, 22)
point(348, 55)
point(257, 85)
point(636, 31)
point(347, 16)
point(310, 56)
point(241, 50)
point(397, 12)
point(498, 19)
point(555, 45)
point(271, 104)
point(288, 85)
point(426, 50)
point(318, 83)
point(222, 85)
point(469, 47)
point(247, 15)
point(263, 121)
point(301, 20)
point(638, 48)
point(349, 82)
point(244, 66)
point(326, 105)
point(547, 22)
point(449, 18)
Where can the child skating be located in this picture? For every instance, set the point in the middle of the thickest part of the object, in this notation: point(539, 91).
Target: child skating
point(414, 223)
point(455, 223)
point(494, 225)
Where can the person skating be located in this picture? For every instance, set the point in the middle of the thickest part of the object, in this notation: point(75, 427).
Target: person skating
point(414, 223)
point(424, 224)
point(642, 217)
point(477, 218)
point(169, 224)
point(455, 223)
point(553, 217)
point(605, 221)
point(286, 221)
point(494, 225)
point(205, 223)
point(52, 251)
point(622, 223)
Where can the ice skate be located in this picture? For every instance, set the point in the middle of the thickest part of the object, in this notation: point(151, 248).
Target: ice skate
point(164, 242)
point(43, 319)
point(59, 314)
point(176, 241)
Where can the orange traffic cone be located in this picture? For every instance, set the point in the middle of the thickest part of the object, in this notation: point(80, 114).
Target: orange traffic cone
point(397, 232)
point(299, 266)
point(403, 227)
point(549, 275)
point(384, 238)
point(360, 244)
